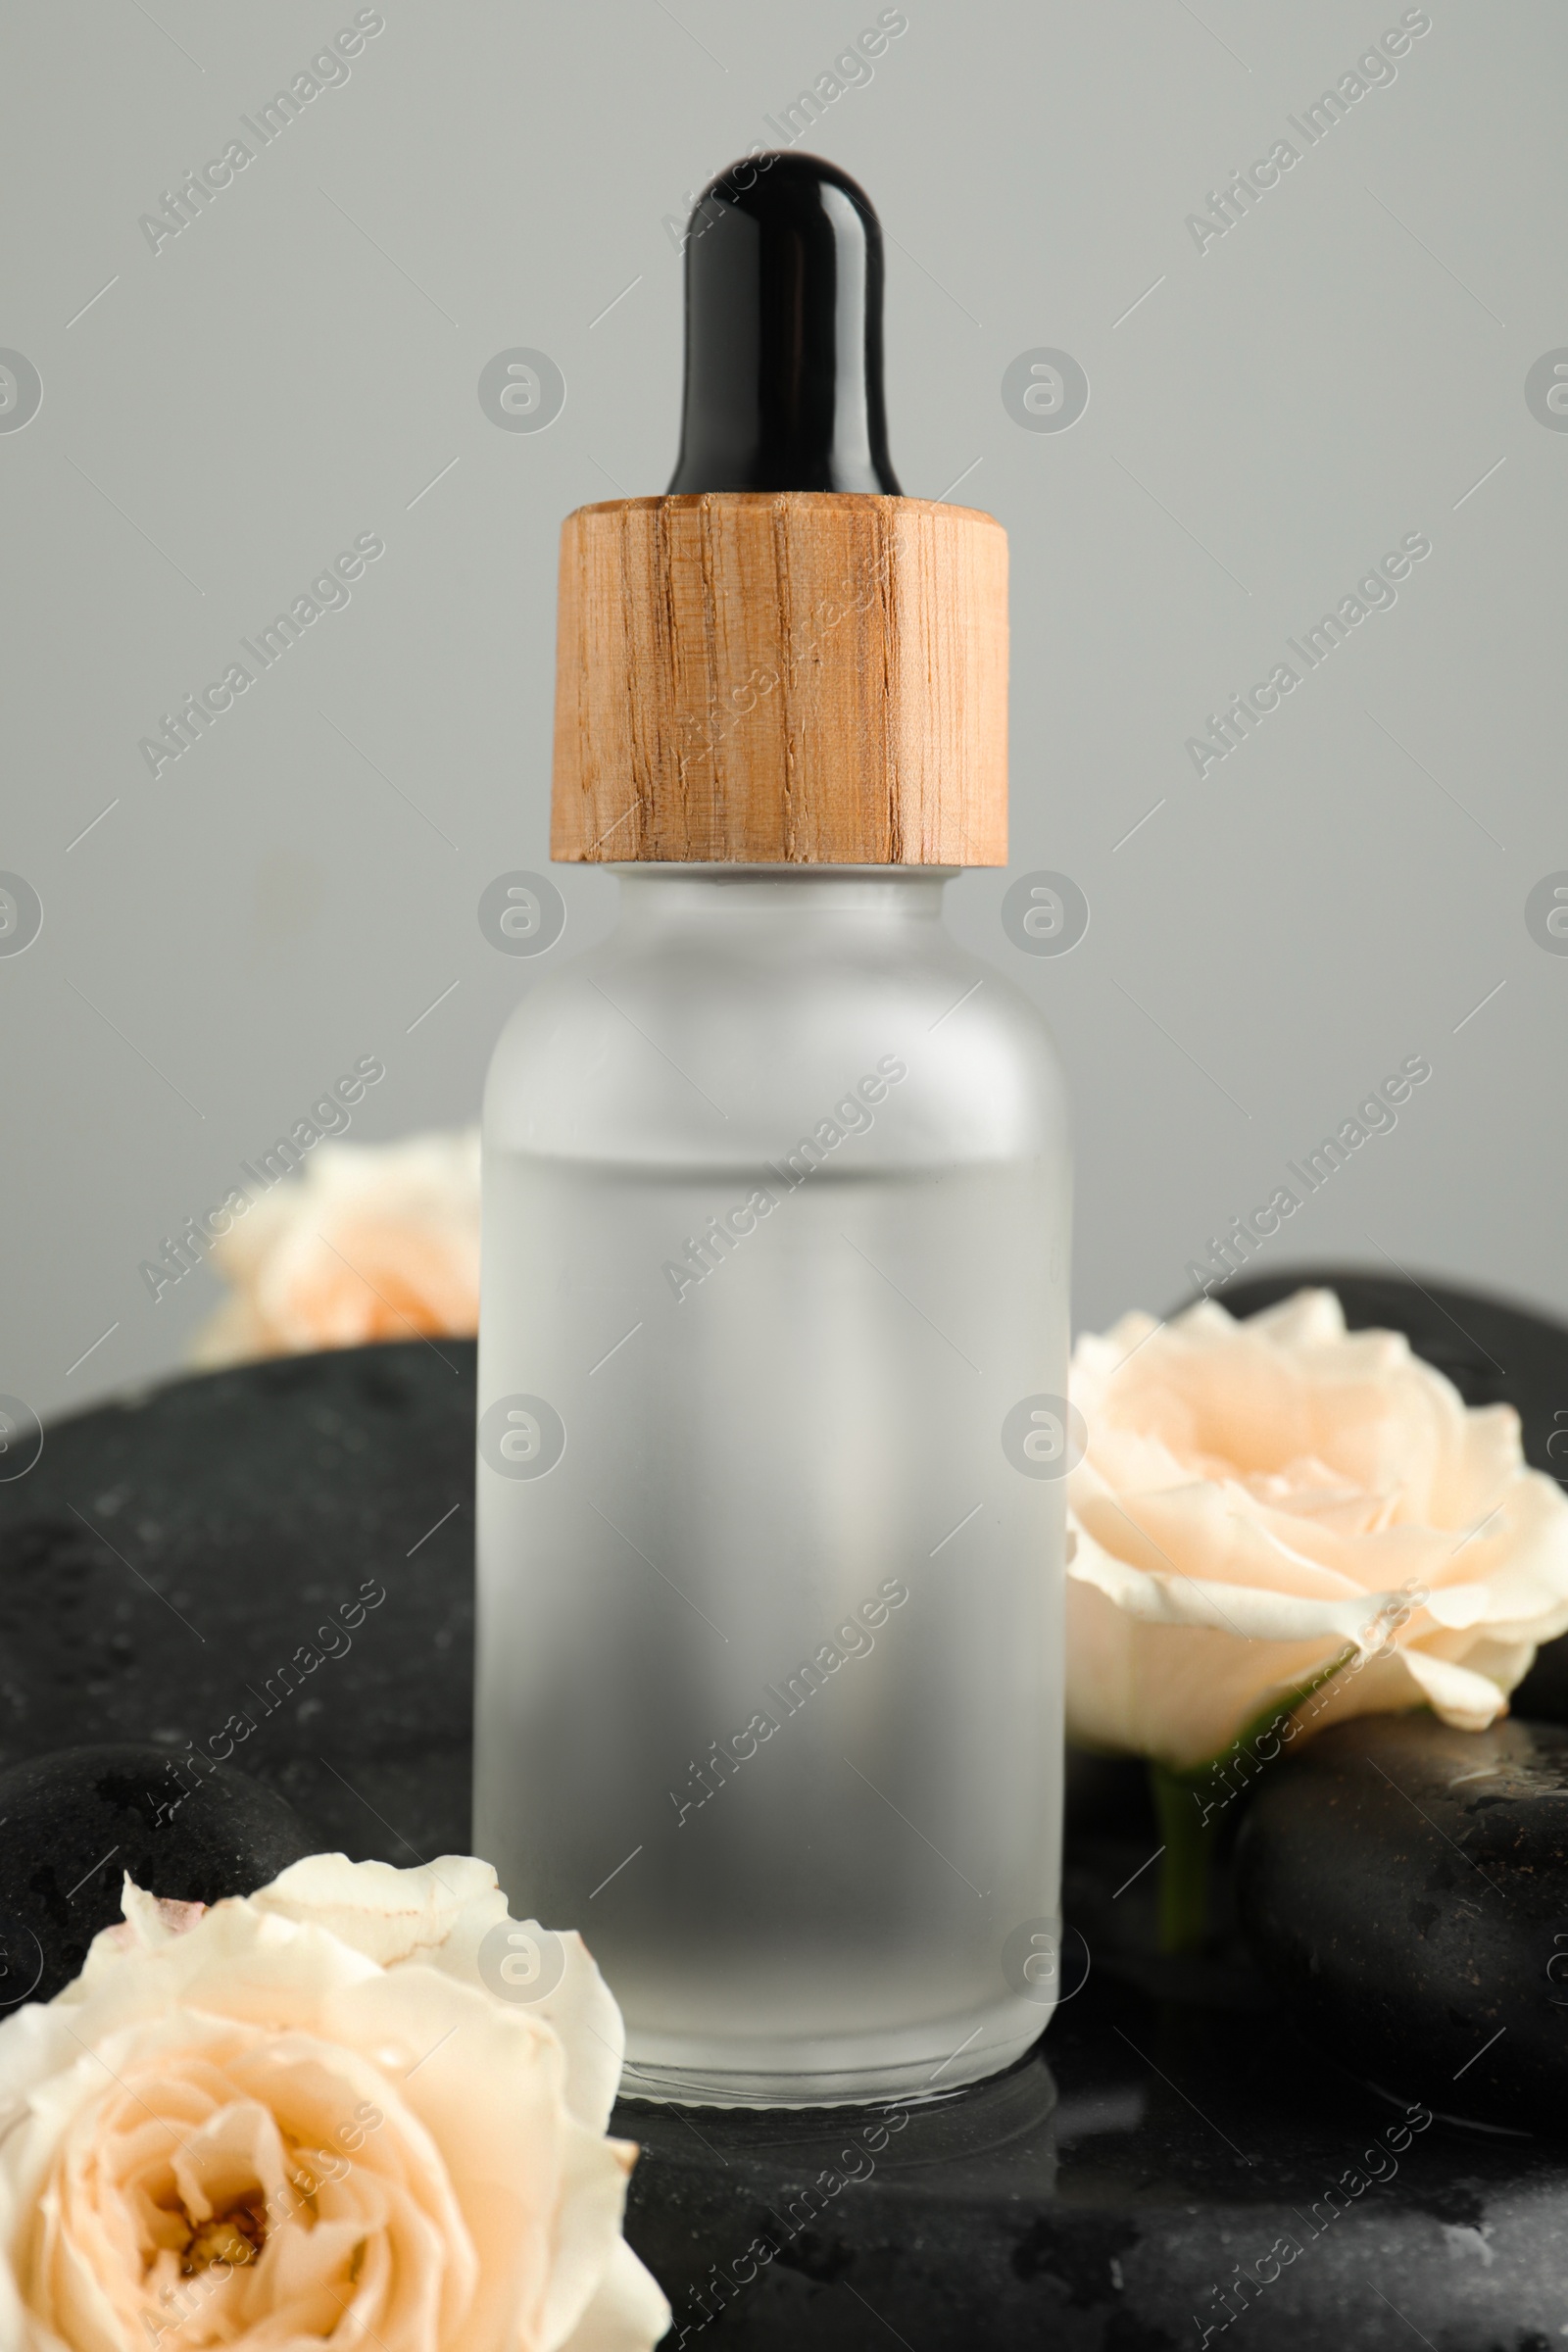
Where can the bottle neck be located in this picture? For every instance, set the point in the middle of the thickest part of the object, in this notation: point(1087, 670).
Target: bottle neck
point(659, 893)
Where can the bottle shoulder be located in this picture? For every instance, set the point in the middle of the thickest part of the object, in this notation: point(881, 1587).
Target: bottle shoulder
point(674, 1046)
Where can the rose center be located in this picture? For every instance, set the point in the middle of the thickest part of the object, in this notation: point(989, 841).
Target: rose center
point(235, 2237)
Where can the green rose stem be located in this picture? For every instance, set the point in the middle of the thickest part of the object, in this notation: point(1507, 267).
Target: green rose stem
point(1184, 1866)
point(1190, 1808)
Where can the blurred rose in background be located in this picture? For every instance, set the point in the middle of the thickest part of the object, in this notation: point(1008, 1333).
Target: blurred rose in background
point(366, 1241)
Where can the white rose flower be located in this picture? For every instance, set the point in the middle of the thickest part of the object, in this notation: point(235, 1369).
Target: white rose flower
point(302, 2118)
point(1261, 1499)
point(364, 1242)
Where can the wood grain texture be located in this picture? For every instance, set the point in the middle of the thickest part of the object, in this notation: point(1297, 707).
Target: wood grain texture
point(790, 677)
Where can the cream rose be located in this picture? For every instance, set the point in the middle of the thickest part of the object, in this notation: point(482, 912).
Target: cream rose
point(365, 1241)
point(304, 2117)
point(1262, 1500)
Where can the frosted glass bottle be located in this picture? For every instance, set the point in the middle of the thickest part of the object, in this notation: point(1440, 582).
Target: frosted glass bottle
point(776, 1200)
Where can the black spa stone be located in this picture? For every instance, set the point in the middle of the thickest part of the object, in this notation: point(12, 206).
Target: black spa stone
point(169, 1554)
point(74, 1822)
point(1405, 1889)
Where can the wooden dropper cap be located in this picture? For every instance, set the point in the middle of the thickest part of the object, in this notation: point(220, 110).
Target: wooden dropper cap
point(782, 660)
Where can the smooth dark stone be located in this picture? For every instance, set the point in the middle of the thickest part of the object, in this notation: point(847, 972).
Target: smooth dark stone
point(74, 1822)
point(1181, 2127)
point(1405, 1889)
point(171, 1555)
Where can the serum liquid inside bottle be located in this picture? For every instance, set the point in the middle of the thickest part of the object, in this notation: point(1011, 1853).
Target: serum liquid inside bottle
point(776, 1197)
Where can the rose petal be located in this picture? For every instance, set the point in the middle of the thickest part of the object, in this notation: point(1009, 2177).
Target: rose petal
point(387, 1914)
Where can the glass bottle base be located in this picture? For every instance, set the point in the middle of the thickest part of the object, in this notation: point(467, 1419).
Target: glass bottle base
point(863, 2069)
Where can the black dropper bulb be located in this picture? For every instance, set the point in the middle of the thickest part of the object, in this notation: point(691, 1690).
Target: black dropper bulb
point(784, 333)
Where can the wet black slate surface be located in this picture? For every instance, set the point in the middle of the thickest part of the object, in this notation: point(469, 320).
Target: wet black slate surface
point(167, 1558)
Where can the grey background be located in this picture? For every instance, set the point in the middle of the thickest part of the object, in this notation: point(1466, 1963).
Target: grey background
point(299, 364)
